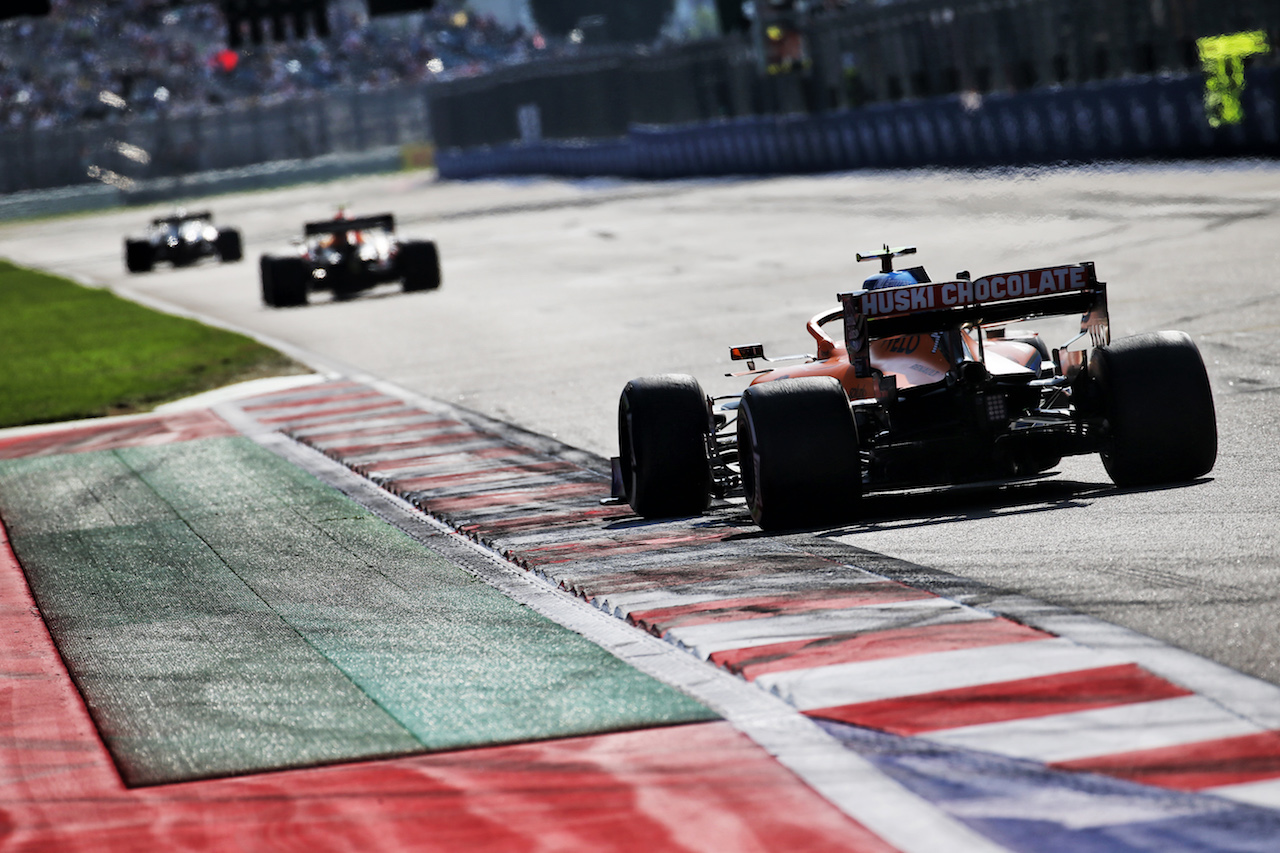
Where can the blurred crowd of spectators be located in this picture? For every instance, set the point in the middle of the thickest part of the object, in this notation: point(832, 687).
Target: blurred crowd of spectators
point(91, 60)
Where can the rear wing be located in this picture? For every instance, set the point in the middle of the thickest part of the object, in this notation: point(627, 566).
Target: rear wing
point(179, 218)
point(385, 221)
point(1003, 298)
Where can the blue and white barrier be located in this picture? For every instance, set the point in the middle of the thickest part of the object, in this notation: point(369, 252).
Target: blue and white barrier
point(1148, 118)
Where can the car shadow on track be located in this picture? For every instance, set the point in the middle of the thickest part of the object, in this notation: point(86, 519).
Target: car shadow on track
point(322, 299)
point(963, 503)
point(971, 502)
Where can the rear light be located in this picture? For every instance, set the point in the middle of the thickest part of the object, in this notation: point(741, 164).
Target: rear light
point(997, 408)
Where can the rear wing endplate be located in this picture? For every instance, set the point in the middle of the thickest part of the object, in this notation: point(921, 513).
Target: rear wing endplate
point(1007, 297)
point(385, 221)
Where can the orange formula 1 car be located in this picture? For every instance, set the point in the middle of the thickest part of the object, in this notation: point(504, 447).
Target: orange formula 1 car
point(930, 384)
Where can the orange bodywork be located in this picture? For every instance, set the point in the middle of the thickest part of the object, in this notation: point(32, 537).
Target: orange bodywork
point(912, 360)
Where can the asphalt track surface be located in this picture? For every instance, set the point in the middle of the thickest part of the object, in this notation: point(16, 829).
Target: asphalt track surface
point(556, 293)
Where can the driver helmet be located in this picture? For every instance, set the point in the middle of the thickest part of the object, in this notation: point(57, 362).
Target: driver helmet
point(897, 278)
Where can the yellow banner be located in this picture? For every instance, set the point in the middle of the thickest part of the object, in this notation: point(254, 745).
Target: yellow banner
point(1222, 58)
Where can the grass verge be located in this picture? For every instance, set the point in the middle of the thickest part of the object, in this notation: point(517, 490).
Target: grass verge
point(68, 352)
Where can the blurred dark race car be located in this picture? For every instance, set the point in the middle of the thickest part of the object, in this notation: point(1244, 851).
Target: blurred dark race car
point(346, 256)
point(930, 384)
point(182, 239)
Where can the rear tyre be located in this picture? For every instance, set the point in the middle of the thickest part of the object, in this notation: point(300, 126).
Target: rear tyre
point(1159, 409)
point(228, 244)
point(284, 281)
point(663, 424)
point(139, 256)
point(266, 274)
point(798, 454)
point(419, 263)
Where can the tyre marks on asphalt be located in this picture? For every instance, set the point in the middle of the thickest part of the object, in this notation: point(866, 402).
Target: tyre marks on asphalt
point(840, 643)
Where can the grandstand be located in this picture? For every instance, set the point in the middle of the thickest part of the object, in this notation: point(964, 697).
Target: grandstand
point(93, 61)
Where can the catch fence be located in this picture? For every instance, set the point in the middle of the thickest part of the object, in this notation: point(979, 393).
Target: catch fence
point(128, 149)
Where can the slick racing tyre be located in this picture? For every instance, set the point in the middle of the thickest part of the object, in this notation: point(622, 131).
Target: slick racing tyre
point(267, 275)
point(139, 256)
point(228, 244)
point(1158, 407)
point(798, 454)
point(419, 265)
point(284, 281)
point(663, 424)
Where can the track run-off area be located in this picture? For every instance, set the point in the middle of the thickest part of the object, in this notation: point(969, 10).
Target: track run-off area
point(1054, 663)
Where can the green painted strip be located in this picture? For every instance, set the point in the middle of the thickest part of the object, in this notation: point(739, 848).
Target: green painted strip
point(224, 612)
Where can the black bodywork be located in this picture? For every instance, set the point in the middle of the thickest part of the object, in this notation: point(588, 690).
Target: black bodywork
point(182, 239)
point(346, 256)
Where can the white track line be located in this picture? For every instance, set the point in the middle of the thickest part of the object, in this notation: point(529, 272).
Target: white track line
point(1265, 793)
point(705, 640)
point(1102, 731)
point(868, 681)
point(709, 592)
